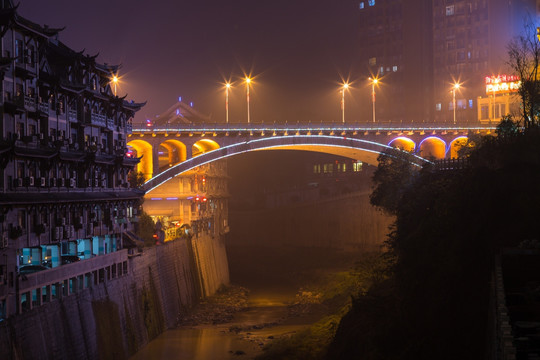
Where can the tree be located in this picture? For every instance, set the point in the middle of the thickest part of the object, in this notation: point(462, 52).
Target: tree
point(524, 59)
point(135, 179)
point(146, 229)
point(393, 176)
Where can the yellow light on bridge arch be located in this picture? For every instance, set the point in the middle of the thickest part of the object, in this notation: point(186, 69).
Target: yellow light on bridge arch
point(432, 147)
point(457, 144)
point(144, 149)
point(203, 146)
point(403, 143)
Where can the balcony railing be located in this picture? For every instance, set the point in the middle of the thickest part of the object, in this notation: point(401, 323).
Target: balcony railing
point(95, 119)
point(43, 107)
point(110, 124)
point(72, 115)
point(30, 103)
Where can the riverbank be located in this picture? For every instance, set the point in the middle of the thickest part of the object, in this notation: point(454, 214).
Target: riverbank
point(268, 321)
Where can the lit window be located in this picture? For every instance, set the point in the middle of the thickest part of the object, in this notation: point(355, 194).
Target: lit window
point(394, 68)
point(381, 70)
point(372, 61)
point(371, 2)
point(357, 166)
point(361, 5)
point(470, 103)
point(438, 106)
point(450, 10)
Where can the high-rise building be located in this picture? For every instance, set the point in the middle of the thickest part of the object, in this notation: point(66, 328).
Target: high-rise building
point(421, 49)
point(64, 192)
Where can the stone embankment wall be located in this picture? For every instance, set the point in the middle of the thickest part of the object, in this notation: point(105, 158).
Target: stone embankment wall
point(343, 222)
point(116, 318)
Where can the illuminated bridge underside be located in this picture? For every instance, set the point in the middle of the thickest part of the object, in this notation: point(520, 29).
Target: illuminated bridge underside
point(358, 149)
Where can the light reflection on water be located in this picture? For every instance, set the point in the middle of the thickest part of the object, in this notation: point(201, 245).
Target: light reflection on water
point(196, 344)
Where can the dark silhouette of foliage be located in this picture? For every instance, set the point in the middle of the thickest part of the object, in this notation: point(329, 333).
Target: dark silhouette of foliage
point(393, 176)
point(146, 229)
point(449, 225)
point(524, 59)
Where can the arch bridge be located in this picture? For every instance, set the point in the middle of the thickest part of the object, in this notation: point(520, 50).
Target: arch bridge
point(169, 151)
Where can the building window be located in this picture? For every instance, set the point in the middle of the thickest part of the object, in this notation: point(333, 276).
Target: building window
point(471, 103)
point(450, 10)
point(357, 166)
point(371, 2)
point(438, 106)
point(361, 5)
point(18, 50)
point(394, 68)
point(484, 113)
point(372, 61)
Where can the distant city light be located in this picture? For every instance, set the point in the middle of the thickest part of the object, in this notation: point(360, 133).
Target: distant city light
point(180, 99)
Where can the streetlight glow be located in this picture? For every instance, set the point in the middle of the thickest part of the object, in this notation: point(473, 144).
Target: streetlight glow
point(343, 88)
point(248, 81)
point(227, 87)
point(454, 88)
point(374, 81)
point(115, 82)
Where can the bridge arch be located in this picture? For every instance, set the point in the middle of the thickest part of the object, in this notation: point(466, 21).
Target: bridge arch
point(144, 149)
point(457, 144)
point(432, 147)
point(203, 146)
point(358, 149)
point(403, 143)
point(170, 153)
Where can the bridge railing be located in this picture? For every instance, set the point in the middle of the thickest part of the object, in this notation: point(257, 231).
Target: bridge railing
point(451, 164)
point(313, 127)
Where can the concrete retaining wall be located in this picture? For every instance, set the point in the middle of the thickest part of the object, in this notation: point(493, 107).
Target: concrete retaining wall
point(116, 318)
point(343, 222)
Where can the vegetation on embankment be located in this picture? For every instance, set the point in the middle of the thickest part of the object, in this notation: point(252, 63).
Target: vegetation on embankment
point(449, 224)
point(329, 296)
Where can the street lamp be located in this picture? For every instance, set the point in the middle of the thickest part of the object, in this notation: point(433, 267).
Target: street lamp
point(373, 83)
point(454, 88)
point(248, 81)
point(344, 87)
point(114, 80)
point(227, 87)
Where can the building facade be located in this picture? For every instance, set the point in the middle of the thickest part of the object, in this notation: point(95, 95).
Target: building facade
point(421, 49)
point(64, 193)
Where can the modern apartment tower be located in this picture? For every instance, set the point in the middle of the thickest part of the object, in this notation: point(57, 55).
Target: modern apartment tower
point(420, 50)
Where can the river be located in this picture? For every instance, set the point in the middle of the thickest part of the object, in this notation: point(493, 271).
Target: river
point(273, 278)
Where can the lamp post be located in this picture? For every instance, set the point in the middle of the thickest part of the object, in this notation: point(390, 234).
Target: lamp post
point(454, 88)
point(227, 87)
point(248, 81)
point(373, 83)
point(344, 87)
point(115, 81)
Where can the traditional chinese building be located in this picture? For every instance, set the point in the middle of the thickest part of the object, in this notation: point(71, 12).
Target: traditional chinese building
point(64, 194)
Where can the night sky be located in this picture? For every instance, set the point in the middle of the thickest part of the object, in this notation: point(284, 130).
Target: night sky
point(298, 52)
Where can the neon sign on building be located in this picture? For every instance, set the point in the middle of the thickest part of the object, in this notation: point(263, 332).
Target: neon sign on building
point(502, 84)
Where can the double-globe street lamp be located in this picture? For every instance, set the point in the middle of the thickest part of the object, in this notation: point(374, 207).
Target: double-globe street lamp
point(227, 89)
